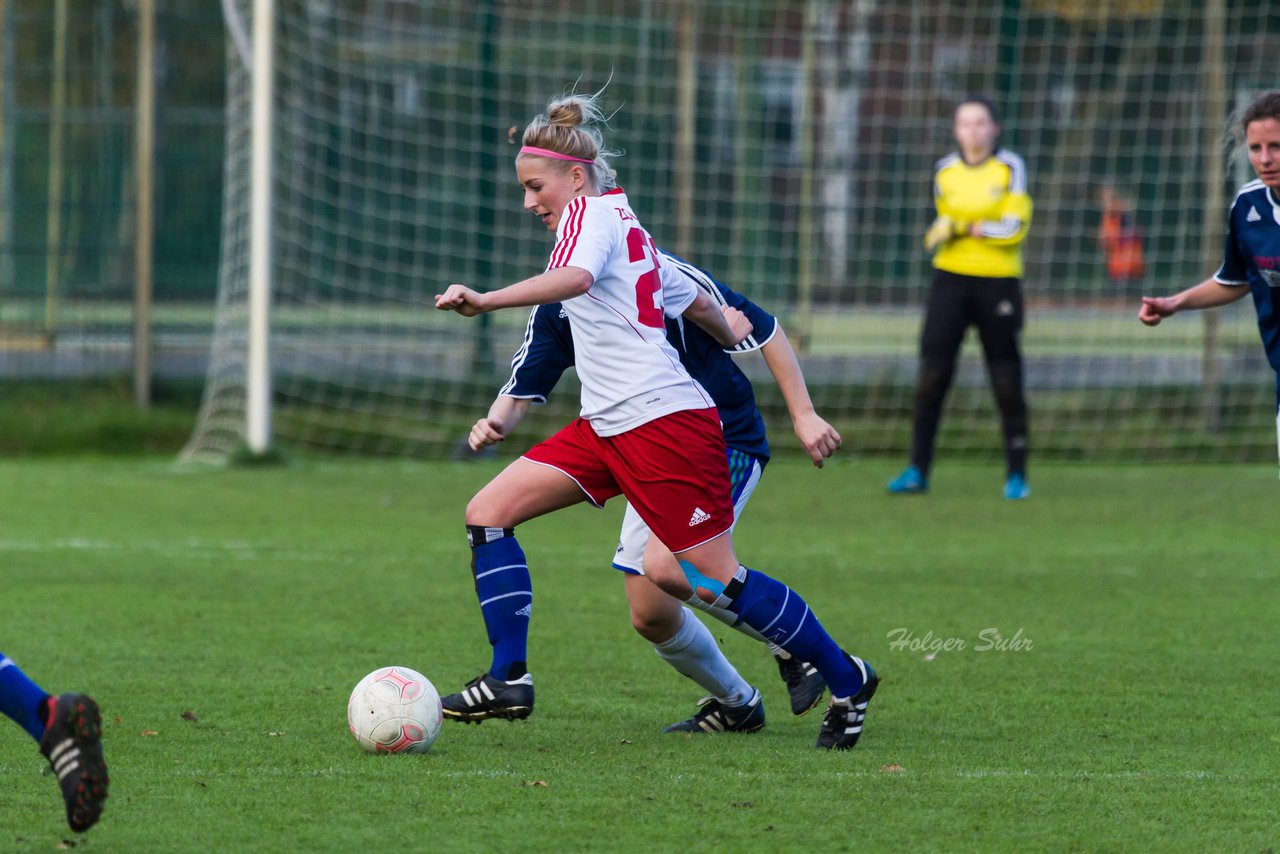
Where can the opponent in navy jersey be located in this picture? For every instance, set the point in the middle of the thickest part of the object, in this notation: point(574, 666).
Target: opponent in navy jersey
point(1251, 257)
point(547, 351)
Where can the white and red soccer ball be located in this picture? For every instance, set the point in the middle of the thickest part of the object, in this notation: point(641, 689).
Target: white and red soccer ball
point(395, 710)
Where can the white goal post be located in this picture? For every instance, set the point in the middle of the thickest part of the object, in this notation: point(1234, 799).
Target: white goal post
point(258, 373)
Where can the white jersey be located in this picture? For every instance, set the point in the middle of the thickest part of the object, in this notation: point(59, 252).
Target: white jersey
point(630, 373)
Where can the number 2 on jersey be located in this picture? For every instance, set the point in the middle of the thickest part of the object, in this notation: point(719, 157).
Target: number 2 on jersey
point(649, 285)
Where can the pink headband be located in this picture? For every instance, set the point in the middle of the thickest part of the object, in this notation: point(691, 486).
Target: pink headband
point(546, 152)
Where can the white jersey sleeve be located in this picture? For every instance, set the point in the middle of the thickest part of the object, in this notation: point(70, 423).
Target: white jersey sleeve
point(586, 242)
point(678, 290)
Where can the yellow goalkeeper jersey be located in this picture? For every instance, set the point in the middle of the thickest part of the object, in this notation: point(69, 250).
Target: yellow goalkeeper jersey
point(992, 194)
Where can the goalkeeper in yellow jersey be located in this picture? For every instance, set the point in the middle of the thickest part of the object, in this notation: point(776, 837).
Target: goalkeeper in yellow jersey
point(984, 212)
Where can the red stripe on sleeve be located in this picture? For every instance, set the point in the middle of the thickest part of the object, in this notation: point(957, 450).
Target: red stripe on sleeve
point(574, 212)
point(573, 230)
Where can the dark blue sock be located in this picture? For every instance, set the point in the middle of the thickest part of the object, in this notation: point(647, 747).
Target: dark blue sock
point(506, 596)
point(776, 611)
point(21, 699)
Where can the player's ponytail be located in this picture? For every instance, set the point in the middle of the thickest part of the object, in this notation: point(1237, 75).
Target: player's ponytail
point(571, 128)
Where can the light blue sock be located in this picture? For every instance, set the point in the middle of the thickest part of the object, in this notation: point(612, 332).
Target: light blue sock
point(693, 652)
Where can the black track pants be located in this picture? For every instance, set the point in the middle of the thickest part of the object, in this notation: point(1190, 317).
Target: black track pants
point(995, 307)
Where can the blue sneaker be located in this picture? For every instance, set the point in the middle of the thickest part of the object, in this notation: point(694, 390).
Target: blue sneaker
point(1016, 487)
point(910, 482)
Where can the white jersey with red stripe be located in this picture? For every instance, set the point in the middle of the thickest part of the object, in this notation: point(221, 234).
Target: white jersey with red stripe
point(630, 373)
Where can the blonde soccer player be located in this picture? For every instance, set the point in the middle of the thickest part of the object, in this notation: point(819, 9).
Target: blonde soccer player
point(680, 639)
point(647, 430)
point(984, 212)
point(1251, 257)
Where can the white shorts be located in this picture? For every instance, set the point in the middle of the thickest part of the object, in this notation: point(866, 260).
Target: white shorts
point(744, 474)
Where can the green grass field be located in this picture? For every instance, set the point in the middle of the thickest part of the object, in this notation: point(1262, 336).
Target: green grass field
point(1141, 717)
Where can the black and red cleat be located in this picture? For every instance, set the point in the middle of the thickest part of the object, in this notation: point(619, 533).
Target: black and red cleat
point(73, 745)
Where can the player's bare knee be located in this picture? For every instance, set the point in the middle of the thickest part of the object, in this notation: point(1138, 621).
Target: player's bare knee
point(707, 571)
point(653, 627)
point(666, 574)
point(640, 622)
point(482, 510)
point(672, 585)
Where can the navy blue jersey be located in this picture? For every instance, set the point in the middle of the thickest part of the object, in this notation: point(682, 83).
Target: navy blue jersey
point(1252, 257)
point(547, 350)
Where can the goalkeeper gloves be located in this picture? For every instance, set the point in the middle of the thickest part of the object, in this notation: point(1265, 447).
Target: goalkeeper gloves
point(944, 228)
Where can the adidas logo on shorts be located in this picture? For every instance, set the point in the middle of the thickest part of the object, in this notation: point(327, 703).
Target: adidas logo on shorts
point(699, 516)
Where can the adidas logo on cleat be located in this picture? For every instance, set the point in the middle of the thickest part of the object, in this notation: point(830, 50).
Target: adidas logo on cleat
point(699, 516)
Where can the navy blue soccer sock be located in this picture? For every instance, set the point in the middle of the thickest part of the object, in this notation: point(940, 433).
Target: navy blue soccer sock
point(776, 611)
point(21, 699)
point(505, 592)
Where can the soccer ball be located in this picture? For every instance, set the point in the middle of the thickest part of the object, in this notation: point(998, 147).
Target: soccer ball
point(395, 710)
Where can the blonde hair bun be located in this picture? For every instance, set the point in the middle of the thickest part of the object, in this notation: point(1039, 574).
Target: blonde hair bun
point(573, 111)
point(572, 125)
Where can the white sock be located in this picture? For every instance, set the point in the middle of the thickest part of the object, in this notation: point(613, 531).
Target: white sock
point(693, 652)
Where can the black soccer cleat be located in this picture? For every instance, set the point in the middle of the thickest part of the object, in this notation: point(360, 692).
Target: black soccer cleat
point(804, 683)
point(842, 724)
point(487, 697)
point(714, 716)
point(73, 745)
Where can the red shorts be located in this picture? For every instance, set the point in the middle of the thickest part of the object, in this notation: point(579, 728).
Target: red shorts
point(673, 470)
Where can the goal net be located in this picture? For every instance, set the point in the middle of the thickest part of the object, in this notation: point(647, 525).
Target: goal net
point(786, 147)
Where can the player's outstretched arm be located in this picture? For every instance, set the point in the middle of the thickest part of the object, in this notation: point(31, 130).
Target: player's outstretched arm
point(728, 328)
point(562, 283)
point(818, 437)
point(1208, 294)
point(504, 415)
